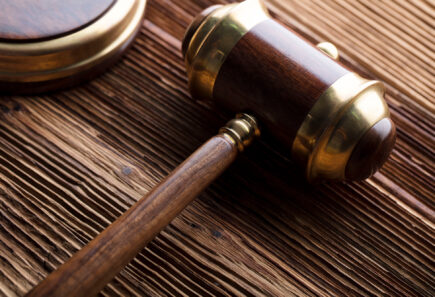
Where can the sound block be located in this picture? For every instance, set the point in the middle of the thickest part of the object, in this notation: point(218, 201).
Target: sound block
point(51, 44)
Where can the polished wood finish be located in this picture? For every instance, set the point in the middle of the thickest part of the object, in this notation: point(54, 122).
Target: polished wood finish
point(72, 162)
point(24, 20)
point(372, 150)
point(89, 270)
point(78, 11)
point(278, 76)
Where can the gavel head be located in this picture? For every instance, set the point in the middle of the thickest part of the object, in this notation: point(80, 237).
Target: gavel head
point(335, 123)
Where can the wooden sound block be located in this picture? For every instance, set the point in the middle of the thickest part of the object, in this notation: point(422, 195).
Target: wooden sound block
point(29, 20)
point(47, 44)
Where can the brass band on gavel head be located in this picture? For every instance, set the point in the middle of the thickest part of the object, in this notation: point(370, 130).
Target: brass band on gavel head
point(336, 123)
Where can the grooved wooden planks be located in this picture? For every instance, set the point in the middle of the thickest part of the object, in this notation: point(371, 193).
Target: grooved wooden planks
point(71, 162)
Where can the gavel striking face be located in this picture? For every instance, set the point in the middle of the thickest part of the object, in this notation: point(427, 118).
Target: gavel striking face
point(335, 123)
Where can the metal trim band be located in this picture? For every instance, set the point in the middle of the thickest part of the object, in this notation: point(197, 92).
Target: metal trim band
point(332, 128)
point(214, 39)
point(61, 57)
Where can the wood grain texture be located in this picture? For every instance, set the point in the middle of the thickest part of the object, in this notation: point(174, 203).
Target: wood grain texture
point(282, 74)
point(74, 161)
point(90, 269)
point(23, 20)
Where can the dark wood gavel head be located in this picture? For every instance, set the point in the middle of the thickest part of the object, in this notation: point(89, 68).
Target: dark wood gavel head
point(336, 123)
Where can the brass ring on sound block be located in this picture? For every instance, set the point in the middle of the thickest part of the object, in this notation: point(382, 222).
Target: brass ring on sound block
point(36, 65)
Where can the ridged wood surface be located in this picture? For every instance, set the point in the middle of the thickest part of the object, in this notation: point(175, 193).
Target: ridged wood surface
point(73, 161)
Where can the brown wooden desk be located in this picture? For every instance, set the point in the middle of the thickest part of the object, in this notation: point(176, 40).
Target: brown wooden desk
point(73, 161)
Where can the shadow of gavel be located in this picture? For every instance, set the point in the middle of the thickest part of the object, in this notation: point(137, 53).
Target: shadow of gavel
point(333, 122)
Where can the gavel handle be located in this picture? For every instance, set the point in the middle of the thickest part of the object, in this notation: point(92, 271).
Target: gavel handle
point(90, 269)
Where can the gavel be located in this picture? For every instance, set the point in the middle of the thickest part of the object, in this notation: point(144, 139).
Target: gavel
point(334, 123)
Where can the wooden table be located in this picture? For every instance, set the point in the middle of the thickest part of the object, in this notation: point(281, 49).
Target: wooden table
point(73, 161)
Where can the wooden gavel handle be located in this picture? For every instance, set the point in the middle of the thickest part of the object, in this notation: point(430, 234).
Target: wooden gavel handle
point(90, 269)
